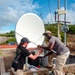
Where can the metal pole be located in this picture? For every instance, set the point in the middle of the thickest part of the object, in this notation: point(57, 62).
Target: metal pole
point(65, 1)
point(32, 42)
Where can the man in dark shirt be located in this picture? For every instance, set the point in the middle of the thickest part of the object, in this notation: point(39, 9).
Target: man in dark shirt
point(20, 59)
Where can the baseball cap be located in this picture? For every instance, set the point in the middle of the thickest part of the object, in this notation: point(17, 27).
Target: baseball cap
point(47, 32)
point(25, 40)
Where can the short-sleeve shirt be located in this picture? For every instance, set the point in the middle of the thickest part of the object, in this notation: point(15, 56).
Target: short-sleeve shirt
point(59, 47)
point(22, 58)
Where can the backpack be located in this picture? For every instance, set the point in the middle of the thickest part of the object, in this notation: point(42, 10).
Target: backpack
point(18, 53)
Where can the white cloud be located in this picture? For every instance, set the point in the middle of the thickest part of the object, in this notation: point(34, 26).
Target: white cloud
point(70, 16)
point(10, 15)
point(12, 10)
point(49, 18)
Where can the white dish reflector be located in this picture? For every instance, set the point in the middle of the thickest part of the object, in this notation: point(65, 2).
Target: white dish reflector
point(31, 26)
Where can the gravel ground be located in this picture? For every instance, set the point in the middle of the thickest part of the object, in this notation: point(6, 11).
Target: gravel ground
point(8, 56)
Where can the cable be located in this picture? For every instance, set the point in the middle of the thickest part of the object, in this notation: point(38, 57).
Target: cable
point(23, 36)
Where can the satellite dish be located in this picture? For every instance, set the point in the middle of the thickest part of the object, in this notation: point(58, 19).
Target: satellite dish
point(31, 26)
point(64, 28)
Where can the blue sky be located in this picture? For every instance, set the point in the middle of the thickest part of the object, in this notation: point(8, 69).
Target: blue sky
point(12, 10)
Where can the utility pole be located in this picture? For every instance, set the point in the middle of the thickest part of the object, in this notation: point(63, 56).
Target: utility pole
point(58, 21)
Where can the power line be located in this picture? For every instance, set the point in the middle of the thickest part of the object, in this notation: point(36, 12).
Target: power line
point(50, 9)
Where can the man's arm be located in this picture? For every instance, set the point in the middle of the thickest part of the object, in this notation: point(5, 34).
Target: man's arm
point(36, 55)
point(49, 47)
point(31, 49)
point(49, 53)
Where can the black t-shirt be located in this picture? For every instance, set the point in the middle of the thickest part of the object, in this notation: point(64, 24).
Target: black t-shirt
point(21, 59)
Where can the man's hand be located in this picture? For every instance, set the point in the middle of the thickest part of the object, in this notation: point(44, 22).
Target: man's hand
point(40, 51)
point(39, 46)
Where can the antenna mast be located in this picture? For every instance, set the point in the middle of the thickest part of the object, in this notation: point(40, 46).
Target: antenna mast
point(65, 28)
